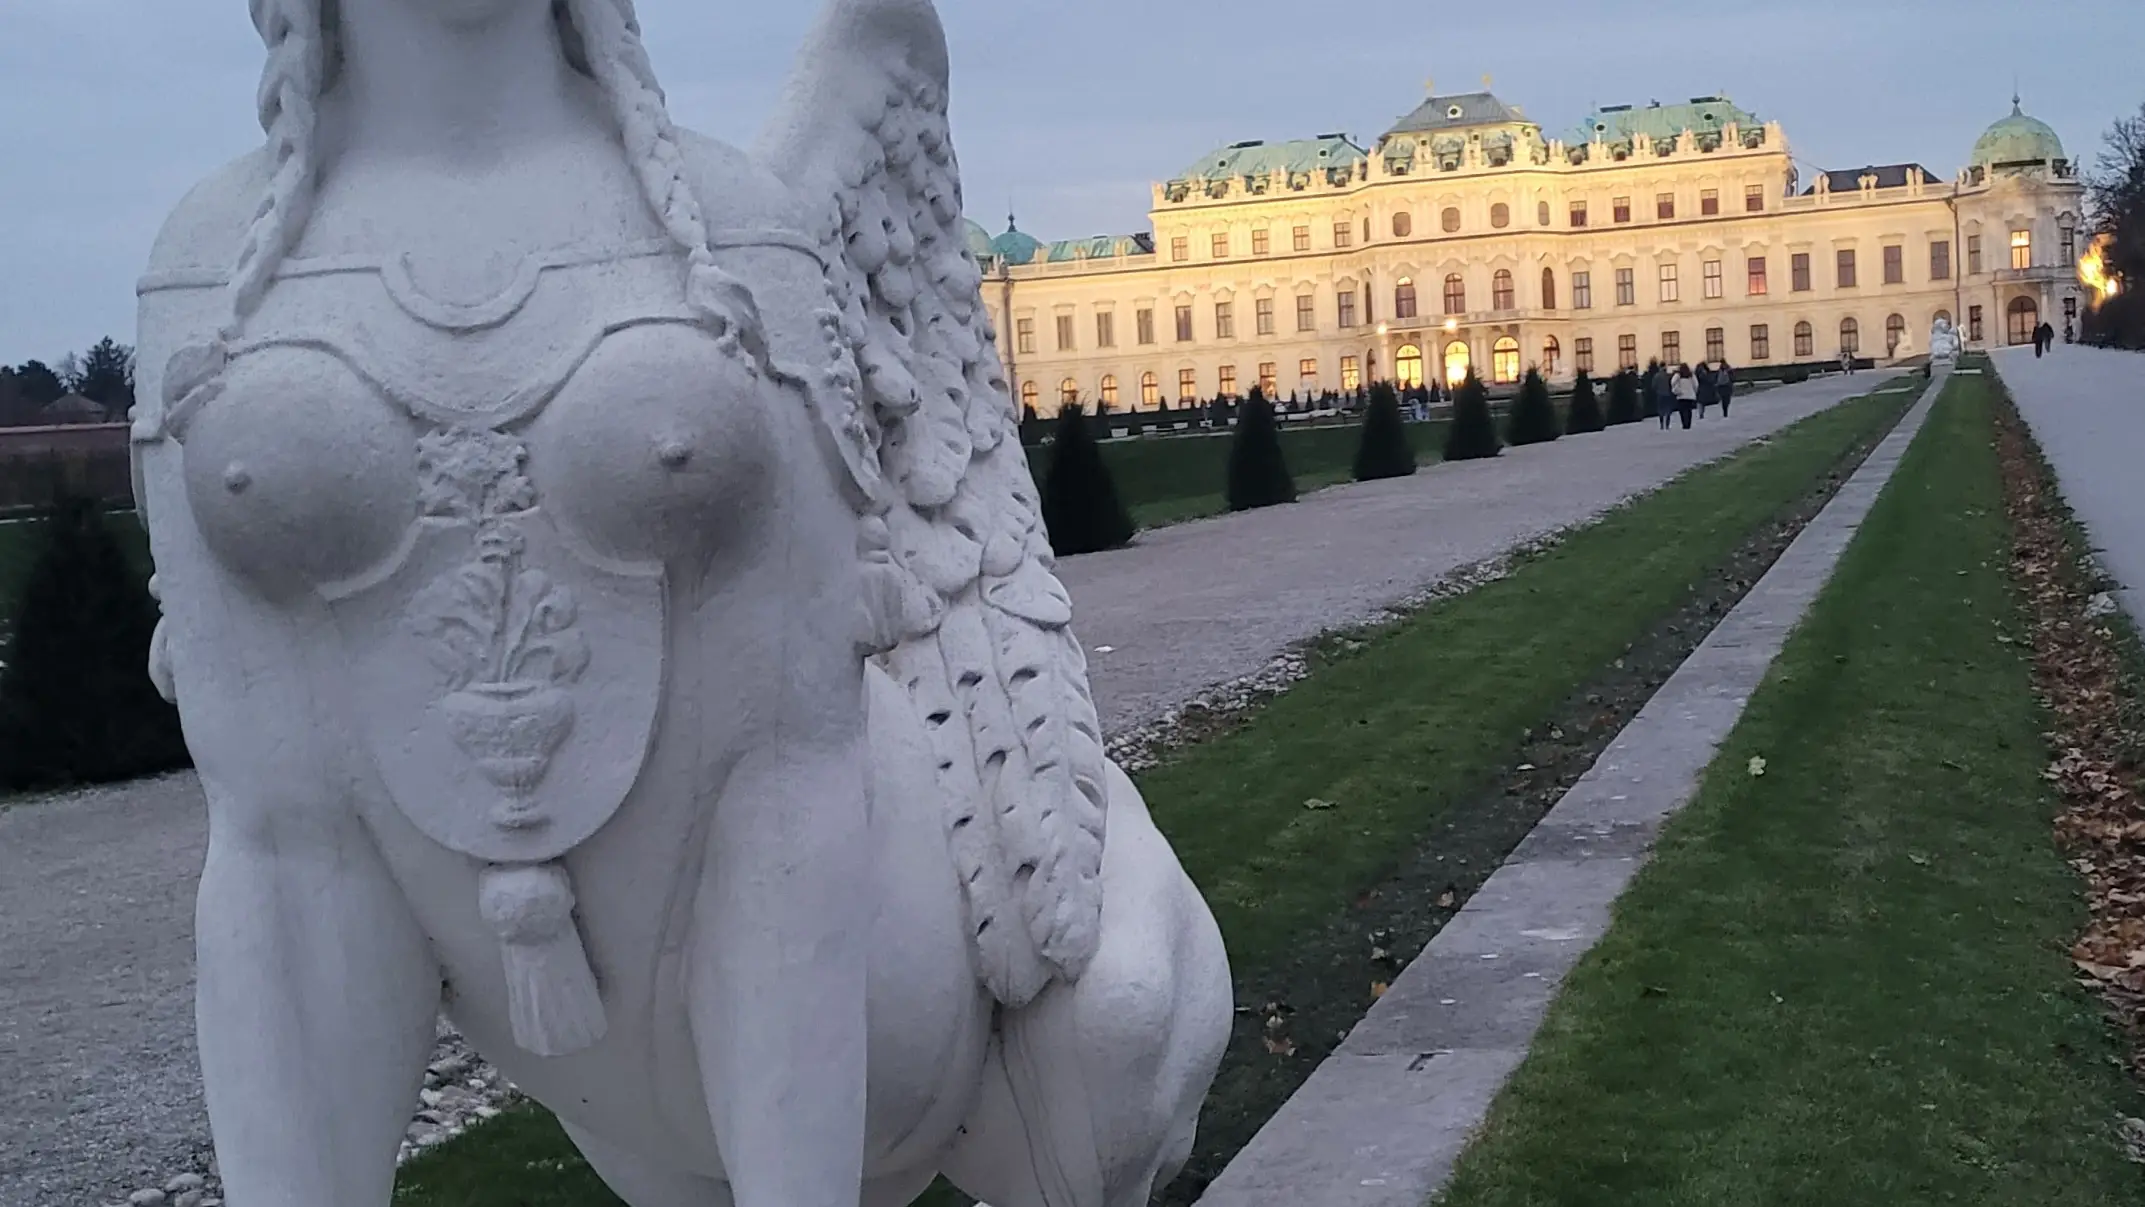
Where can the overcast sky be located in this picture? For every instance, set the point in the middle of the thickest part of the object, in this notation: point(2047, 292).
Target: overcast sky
point(109, 109)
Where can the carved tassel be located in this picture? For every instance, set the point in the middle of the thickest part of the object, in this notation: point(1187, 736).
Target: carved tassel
point(551, 991)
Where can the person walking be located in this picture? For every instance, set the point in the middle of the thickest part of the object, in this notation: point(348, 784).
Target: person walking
point(1724, 384)
point(1685, 389)
point(1708, 388)
point(1664, 396)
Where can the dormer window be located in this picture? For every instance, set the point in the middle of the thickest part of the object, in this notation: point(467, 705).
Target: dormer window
point(1454, 112)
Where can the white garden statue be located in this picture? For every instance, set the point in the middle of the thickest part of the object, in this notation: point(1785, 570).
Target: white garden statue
point(1943, 341)
point(603, 584)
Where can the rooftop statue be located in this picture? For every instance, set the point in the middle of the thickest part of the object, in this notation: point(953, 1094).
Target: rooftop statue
point(606, 596)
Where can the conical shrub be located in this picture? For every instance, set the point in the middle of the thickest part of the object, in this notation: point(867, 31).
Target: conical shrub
point(1081, 509)
point(1473, 434)
point(1534, 417)
point(1624, 398)
point(1258, 473)
point(1385, 451)
point(76, 703)
point(1586, 409)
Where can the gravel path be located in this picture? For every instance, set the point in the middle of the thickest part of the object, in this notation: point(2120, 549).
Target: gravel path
point(96, 889)
point(2086, 407)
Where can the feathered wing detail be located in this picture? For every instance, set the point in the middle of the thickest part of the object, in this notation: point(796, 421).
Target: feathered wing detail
point(961, 594)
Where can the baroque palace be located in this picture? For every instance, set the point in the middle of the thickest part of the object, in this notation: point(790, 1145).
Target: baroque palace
point(1464, 238)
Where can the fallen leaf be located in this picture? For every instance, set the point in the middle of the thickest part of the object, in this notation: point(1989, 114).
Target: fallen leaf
point(1757, 766)
point(1316, 804)
point(1280, 1045)
point(1377, 989)
point(1446, 899)
point(1920, 861)
point(1526, 766)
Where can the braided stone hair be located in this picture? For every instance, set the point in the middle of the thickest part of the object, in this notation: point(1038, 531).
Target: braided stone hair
point(601, 38)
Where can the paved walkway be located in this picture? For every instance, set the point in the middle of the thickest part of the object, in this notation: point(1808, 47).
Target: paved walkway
point(2086, 407)
point(1382, 1120)
point(96, 891)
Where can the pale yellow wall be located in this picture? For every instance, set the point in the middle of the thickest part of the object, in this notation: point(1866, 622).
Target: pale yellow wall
point(1866, 221)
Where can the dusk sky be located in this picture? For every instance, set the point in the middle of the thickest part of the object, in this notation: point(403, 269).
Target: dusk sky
point(110, 109)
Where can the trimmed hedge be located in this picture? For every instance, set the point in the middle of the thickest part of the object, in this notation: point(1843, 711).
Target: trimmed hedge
point(1258, 473)
point(1081, 508)
point(1386, 451)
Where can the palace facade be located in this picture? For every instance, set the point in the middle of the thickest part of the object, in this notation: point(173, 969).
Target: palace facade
point(1464, 238)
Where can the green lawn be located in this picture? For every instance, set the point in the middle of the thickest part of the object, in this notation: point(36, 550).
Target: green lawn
point(1845, 982)
point(1397, 731)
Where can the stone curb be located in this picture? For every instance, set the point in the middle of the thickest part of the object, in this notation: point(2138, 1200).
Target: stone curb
point(1383, 1120)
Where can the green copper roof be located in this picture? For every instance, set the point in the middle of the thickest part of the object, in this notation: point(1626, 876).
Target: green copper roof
point(2017, 139)
point(979, 239)
point(1257, 160)
point(1703, 116)
point(1099, 247)
point(1016, 246)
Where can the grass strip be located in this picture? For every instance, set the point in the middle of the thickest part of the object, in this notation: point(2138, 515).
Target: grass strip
point(1844, 981)
point(1396, 729)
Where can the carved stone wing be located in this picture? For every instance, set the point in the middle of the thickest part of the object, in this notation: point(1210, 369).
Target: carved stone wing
point(971, 616)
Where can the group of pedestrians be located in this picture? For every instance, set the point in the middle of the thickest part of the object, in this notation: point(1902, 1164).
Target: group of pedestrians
point(1684, 391)
point(2044, 338)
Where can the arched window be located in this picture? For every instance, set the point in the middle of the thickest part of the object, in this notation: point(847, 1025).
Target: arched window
point(2020, 318)
point(1030, 394)
point(1408, 367)
point(1109, 389)
point(1450, 220)
point(1850, 337)
point(1501, 290)
point(1504, 361)
point(1941, 314)
point(1068, 390)
point(1404, 299)
point(1500, 215)
point(1805, 340)
point(1541, 213)
point(1552, 354)
point(1549, 289)
point(1150, 390)
point(1895, 332)
point(1457, 361)
point(1455, 295)
point(1403, 224)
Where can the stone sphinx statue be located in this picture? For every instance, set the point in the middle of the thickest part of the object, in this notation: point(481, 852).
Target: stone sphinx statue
point(606, 598)
point(1943, 341)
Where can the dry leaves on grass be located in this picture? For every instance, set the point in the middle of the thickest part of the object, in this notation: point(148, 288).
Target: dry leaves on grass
point(2079, 674)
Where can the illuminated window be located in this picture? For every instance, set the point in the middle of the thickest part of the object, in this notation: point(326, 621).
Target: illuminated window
point(1582, 290)
point(2022, 249)
point(1622, 209)
point(1895, 333)
point(1224, 320)
point(1187, 384)
point(1267, 380)
point(1755, 267)
point(1228, 380)
point(1940, 260)
point(1065, 333)
point(1144, 320)
point(1627, 351)
point(1307, 372)
point(1150, 390)
point(1024, 334)
point(1450, 220)
point(1844, 261)
point(1346, 300)
point(1549, 289)
point(1030, 394)
point(1799, 272)
point(1500, 215)
point(1068, 391)
point(1306, 312)
point(1184, 324)
point(1404, 299)
point(1850, 337)
point(1455, 295)
point(1671, 347)
point(1300, 238)
point(1805, 340)
point(1627, 289)
point(1578, 213)
point(1501, 291)
point(1716, 343)
point(1261, 242)
point(1351, 374)
point(1403, 224)
point(1761, 342)
point(1344, 235)
point(1754, 199)
point(1664, 206)
point(1552, 352)
point(1895, 265)
point(1709, 202)
point(1109, 390)
point(1504, 361)
point(1458, 361)
point(1408, 367)
point(1714, 286)
point(1671, 283)
point(1262, 315)
point(1105, 329)
point(1583, 354)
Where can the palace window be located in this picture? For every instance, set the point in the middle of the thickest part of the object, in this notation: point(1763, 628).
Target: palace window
point(1973, 323)
point(1301, 238)
point(1627, 351)
point(1024, 335)
point(1850, 337)
point(1500, 215)
point(1501, 290)
point(1755, 268)
point(1262, 314)
point(1065, 333)
point(1583, 354)
point(1109, 389)
point(1347, 306)
point(1805, 340)
point(1754, 199)
point(1940, 259)
point(1799, 272)
point(1404, 299)
point(1403, 224)
point(1716, 343)
point(1671, 283)
point(1408, 367)
point(1582, 290)
point(1187, 384)
point(1627, 290)
point(1351, 374)
point(2022, 249)
point(1671, 347)
point(1180, 249)
point(1541, 213)
point(1714, 285)
point(1844, 263)
point(1895, 333)
point(1552, 352)
point(1761, 342)
point(1306, 312)
point(1261, 242)
point(1622, 209)
point(1268, 382)
point(1450, 219)
point(1973, 255)
point(1895, 264)
point(2070, 310)
point(1664, 206)
point(1549, 289)
point(1221, 245)
point(1578, 213)
point(1105, 329)
point(2070, 246)
point(1307, 372)
point(1344, 234)
point(1143, 320)
point(1068, 391)
point(1150, 390)
point(1030, 394)
point(1504, 361)
point(1709, 202)
point(1455, 295)
point(2021, 317)
point(1228, 381)
point(1224, 320)
point(1184, 324)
